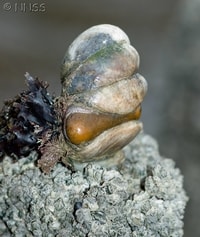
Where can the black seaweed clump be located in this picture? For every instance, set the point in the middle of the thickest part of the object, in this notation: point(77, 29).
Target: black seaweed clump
point(25, 119)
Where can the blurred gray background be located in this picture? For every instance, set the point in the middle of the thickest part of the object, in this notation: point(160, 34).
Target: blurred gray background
point(34, 37)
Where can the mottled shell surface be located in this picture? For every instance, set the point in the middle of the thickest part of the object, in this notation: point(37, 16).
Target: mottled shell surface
point(104, 93)
point(100, 56)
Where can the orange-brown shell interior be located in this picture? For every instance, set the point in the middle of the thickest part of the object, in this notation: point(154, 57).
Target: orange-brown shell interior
point(83, 127)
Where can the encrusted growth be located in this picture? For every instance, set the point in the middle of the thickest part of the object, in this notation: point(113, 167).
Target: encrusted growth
point(97, 202)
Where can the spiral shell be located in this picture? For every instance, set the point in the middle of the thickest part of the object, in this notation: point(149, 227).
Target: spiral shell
point(103, 93)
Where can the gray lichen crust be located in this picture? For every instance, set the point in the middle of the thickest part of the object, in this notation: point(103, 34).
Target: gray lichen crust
point(144, 197)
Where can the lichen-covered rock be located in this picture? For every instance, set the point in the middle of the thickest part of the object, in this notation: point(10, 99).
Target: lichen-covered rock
point(144, 197)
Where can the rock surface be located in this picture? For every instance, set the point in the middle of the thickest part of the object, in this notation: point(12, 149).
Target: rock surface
point(144, 197)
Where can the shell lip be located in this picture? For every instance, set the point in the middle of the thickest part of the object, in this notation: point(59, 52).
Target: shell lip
point(87, 110)
point(109, 141)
